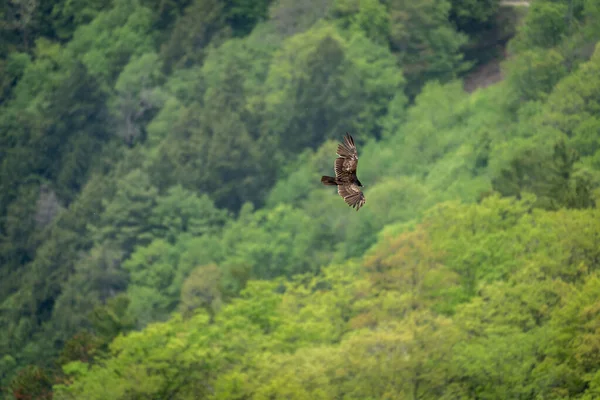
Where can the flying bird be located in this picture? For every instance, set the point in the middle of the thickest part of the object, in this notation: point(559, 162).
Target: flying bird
point(345, 179)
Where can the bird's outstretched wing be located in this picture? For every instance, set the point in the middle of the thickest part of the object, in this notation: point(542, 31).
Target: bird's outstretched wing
point(352, 195)
point(345, 164)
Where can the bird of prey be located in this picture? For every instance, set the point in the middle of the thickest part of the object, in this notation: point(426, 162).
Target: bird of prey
point(345, 178)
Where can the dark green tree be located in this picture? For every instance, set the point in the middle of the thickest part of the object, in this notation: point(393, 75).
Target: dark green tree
point(425, 41)
point(123, 221)
point(471, 15)
point(203, 22)
point(215, 146)
point(319, 85)
point(31, 383)
point(551, 176)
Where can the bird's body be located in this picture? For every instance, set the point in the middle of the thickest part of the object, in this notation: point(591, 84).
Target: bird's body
point(345, 174)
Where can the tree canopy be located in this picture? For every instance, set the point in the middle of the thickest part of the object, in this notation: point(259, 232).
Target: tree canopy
point(164, 234)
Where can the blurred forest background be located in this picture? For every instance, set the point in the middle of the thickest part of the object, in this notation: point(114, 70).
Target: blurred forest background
point(164, 234)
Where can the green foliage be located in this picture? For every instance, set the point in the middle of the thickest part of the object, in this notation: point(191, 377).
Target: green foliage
point(166, 14)
point(545, 24)
point(159, 377)
point(369, 17)
point(97, 277)
point(181, 211)
point(215, 145)
point(322, 84)
point(469, 13)
point(106, 44)
point(207, 24)
point(138, 96)
point(31, 383)
point(409, 264)
point(68, 15)
point(201, 290)
point(426, 43)
point(551, 177)
point(572, 106)
point(242, 15)
point(110, 320)
point(290, 17)
point(202, 22)
point(55, 136)
point(150, 269)
point(276, 242)
point(591, 10)
point(124, 218)
point(534, 73)
point(353, 328)
point(12, 70)
point(164, 234)
point(82, 347)
point(437, 104)
point(55, 98)
point(570, 350)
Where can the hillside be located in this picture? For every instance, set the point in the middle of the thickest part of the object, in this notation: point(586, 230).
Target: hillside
point(164, 234)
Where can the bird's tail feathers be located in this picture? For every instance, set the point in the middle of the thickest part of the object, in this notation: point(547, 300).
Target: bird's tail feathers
point(328, 180)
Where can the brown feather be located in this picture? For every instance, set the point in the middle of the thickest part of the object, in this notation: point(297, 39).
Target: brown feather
point(339, 167)
point(352, 195)
point(345, 174)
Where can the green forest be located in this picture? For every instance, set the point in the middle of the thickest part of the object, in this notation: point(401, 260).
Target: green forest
point(164, 233)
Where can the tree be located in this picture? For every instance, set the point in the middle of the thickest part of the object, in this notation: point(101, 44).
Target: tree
point(18, 236)
point(278, 242)
point(243, 15)
point(409, 265)
point(63, 99)
point(67, 16)
point(32, 383)
point(369, 17)
point(545, 25)
point(319, 85)
point(216, 145)
point(180, 211)
point(551, 177)
point(291, 17)
point(81, 347)
point(419, 143)
point(111, 319)
point(151, 272)
point(469, 13)
point(425, 42)
point(201, 290)
point(97, 277)
point(129, 373)
point(123, 221)
point(138, 96)
point(105, 45)
point(203, 22)
point(409, 359)
point(12, 70)
point(534, 73)
point(470, 238)
point(570, 106)
point(20, 16)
